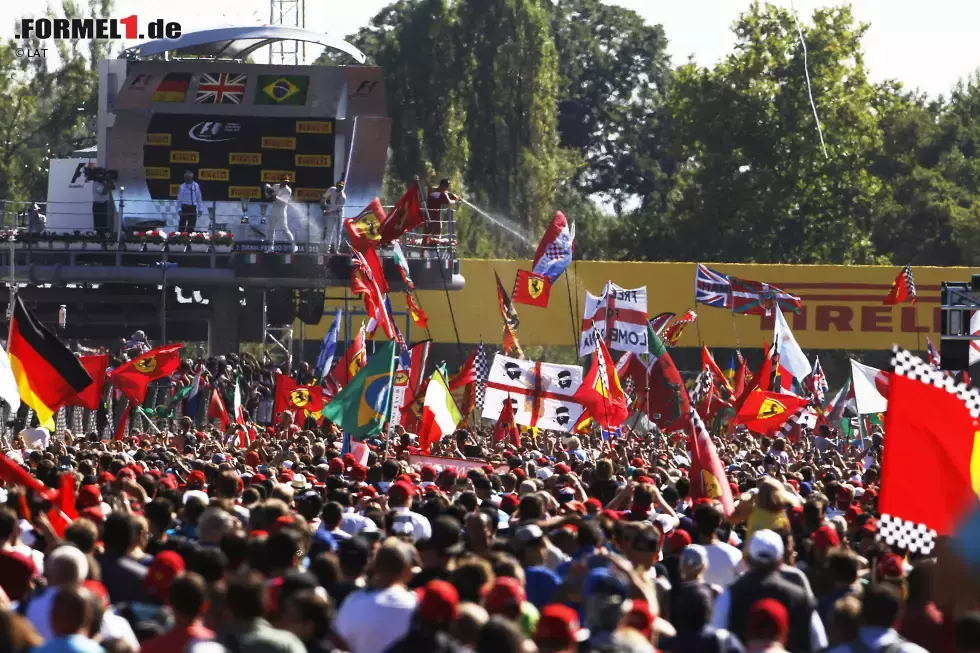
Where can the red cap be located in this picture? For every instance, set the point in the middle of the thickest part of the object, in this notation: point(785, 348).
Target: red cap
point(286, 476)
point(509, 502)
point(595, 503)
point(768, 621)
point(640, 618)
point(505, 597)
point(252, 459)
point(825, 537)
point(166, 566)
point(577, 506)
point(678, 539)
point(348, 459)
point(168, 482)
point(439, 603)
point(368, 491)
point(400, 491)
point(404, 478)
point(93, 514)
point(852, 514)
point(891, 567)
point(283, 521)
point(106, 477)
point(541, 461)
point(870, 527)
point(336, 466)
point(358, 472)
point(519, 473)
point(429, 473)
point(559, 625)
point(99, 590)
point(843, 495)
point(562, 468)
point(88, 496)
point(794, 483)
point(194, 478)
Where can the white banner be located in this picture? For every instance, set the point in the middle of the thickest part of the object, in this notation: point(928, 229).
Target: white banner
point(456, 463)
point(541, 393)
point(70, 197)
point(620, 316)
point(398, 391)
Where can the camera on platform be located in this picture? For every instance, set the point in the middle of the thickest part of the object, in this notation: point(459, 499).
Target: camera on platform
point(100, 175)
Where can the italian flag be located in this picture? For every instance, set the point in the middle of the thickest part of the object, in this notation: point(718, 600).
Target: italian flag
point(439, 412)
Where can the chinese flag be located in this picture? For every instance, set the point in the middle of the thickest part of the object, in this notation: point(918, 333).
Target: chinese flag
point(532, 289)
point(931, 441)
point(766, 412)
point(133, 377)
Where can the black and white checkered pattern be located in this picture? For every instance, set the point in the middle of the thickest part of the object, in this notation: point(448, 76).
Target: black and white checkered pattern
point(793, 420)
point(907, 364)
point(917, 538)
point(702, 386)
point(909, 281)
point(482, 373)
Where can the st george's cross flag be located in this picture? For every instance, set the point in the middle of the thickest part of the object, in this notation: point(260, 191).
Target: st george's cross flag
point(542, 393)
point(620, 319)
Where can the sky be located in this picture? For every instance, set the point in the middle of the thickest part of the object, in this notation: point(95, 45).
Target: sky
point(928, 46)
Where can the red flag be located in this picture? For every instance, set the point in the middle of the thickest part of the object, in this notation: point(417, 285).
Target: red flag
point(903, 288)
point(132, 378)
point(708, 361)
point(601, 392)
point(11, 472)
point(465, 375)
point(354, 358)
point(931, 443)
point(63, 512)
point(123, 420)
point(766, 412)
point(509, 315)
point(91, 397)
point(406, 215)
point(739, 383)
point(418, 315)
point(364, 230)
point(416, 386)
point(363, 283)
point(506, 427)
point(708, 478)
point(217, 410)
point(532, 289)
point(300, 400)
point(672, 332)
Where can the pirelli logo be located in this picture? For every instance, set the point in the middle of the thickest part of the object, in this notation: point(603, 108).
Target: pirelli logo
point(314, 160)
point(158, 173)
point(184, 156)
point(158, 139)
point(238, 192)
point(244, 158)
point(308, 194)
point(275, 176)
point(212, 174)
point(278, 143)
point(174, 188)
point(314, 127)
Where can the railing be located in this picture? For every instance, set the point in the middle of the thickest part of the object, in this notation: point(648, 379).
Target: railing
point(54, 225)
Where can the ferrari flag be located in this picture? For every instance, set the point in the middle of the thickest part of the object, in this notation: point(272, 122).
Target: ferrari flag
point(532, 289)
point(134, 377)
point(766, 412)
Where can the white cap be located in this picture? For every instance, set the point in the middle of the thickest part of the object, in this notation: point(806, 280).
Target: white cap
point(544, 473)
point(766, 546)
point(196, 493)
point(666, 522)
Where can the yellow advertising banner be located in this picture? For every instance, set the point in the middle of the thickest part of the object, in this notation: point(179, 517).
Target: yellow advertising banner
point(278, 143)
point(212, 174)
point(275, 176)
point(157, 173)
point(314, 160)
point(314, 127)
point(184, 156)
point(244, 158)
point(842, 306)
point(308, 194)
point(158, 139)
point(238, 192)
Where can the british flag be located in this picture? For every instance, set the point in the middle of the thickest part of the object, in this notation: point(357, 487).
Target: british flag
point(712, 288)
point(818, 382)
point(934, 358)
point(222, 88)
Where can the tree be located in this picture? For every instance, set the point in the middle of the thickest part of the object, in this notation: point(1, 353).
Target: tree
point(47, 112)
point(756, 183)
point(614, 76)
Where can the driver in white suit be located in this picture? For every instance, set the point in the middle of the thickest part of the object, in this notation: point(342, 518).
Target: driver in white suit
point(280, 194)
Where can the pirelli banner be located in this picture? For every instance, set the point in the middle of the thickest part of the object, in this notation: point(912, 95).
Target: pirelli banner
point(232, 157)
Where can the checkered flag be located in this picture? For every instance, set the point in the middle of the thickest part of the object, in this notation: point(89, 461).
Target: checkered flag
point(630, 389)
point(702, 386)
point(917, 538)
point(482, 373)
point(910, 282)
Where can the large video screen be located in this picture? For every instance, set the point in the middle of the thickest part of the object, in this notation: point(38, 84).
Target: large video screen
point(232, 157)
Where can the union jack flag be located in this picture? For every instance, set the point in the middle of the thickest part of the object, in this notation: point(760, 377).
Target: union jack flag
point(712, 288)
point(818, 382)
point(758, 298)
point(933, 354)
point(223, 88)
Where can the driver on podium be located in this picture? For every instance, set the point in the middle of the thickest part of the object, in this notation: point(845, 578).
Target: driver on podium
point(438, 204)
point(190, 202)
point(280, 194)
point(332, 204)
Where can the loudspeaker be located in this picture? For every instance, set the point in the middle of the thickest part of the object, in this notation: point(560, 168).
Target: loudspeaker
point(311, 305)
point(280, 306)
point(954, 354)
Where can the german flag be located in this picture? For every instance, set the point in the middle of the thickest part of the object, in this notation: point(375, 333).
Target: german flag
point(173, 88)
point(46, 371)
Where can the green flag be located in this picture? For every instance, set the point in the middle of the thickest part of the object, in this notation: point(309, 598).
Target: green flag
point(180, 395)
point(361, 408)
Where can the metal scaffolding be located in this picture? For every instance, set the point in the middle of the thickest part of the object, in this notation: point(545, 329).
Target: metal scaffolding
point(288, 13)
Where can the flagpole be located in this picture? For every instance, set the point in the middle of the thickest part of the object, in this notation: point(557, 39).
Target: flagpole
point(915, 322)
point(571, 314)
point(452, 313)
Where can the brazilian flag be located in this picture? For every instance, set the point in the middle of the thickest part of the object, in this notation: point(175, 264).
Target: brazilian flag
point(361, 408)
point(282, 89)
